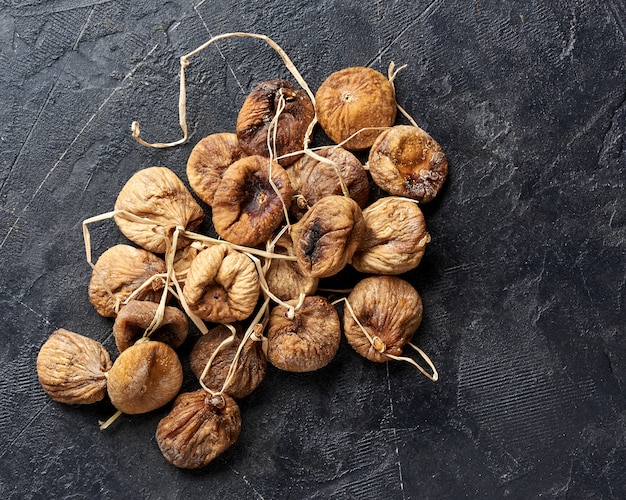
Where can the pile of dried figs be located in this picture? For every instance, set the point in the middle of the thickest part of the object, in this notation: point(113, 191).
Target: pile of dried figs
point(287, 215)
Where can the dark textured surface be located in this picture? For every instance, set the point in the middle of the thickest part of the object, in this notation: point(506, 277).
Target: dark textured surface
point(523, 283)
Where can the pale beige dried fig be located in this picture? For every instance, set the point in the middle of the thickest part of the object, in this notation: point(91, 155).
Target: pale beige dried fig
point(407, 161)
point(144, 377)
point(395, 237)
point(307, 341)
point(284, 277)
point(158, 197)
point(327, 236)
point(120, 271)
point(222, 285)
point(71, 368)
point(198, 428)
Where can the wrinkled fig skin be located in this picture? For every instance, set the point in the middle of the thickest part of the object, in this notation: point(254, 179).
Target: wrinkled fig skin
point(136, 316)
point(208, 161)
point(124, 269)
point(284, 277)
point(198, 428)
point(156, 194)
point(144, 377)
point(325, 239)
point(395, 237)
point(352, 99)
point(222, 285)
point(389, 308)
point(406, 161)
point(251, 366)
point(259, 109)
point(313, 179)
point(246, 208)
point(307, 342)
point(71, 368)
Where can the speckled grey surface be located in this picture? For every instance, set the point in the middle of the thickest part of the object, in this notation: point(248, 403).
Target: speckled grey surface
point(523, 283)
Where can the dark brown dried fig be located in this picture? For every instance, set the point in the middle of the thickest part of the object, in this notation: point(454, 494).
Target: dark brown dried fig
point(312, 179)
point(160, 198)
point(71, 368)
point(208, 161)
point(407, 161)
point(307, 341)
point(198, 428)
point(135, 317)
point(118, 272)
point(327, 236)
point(246, 208)
point(260, 108)
point(352, 99)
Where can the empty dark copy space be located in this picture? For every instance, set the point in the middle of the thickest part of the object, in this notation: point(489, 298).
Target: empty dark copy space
point(522, 283)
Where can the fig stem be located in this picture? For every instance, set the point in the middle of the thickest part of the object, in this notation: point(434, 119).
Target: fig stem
point(106, 423)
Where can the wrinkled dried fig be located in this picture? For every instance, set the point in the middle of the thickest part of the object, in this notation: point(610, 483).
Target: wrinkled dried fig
point(208, 161)
point(327, 236)
point(246, 208)
point(395, 237)
point(222, 285)
point(260, 108)
point(352, 99)
point(144, 377)
point(407, 161)
point(284, 277)
point(159, 197)
point(71, 368)
point(312, 179)
point(306, 342)
point(118, 272)
point(389, 309)
point(198, 428)
point(136, 316)
point(251, 365)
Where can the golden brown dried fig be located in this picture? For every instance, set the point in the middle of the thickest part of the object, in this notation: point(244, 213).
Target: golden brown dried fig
point(395, 237)
point(208, 161)
point(135, 317)
point(312, 179)
point(352, 99)
point(407, 161)
point(118, 272)
point(389, 309)
point(222, 285)
point(71, 368)
point(327, 236)
point(216, 347)
point(198, 428)
point(260, 108)
point(246, 208)
point(160, 198)
point(144, 377)
point(306, 342)
point(284, 277)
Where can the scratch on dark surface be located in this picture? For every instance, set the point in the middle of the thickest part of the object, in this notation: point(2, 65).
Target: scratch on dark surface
point(569, 45)
point(395, 432)
point(17, 437)
point(618, 11)
point(34, 8)
point(245, 480)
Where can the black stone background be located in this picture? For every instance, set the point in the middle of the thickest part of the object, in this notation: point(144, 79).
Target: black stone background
point(523, 283)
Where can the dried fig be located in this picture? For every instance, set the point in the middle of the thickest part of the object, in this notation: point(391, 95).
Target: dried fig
point(198, 428)
point(407, 161)
point(246, 208)
point(313, 179)
point(251, 364)
point(389, 309)
point(352, 99)
point(71, 368)
point(135, 317)
point(306, 342)
point(260, 108)
point(208, 161)
point(327, 236)
point(118, 272)
point(395, 237)
point(144, 377)
point(222, 285)
point(160, 198)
